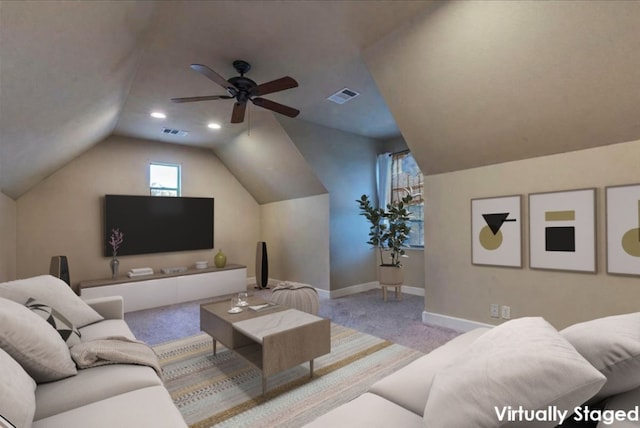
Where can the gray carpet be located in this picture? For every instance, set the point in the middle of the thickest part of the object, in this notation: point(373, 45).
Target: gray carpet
point(397, 321)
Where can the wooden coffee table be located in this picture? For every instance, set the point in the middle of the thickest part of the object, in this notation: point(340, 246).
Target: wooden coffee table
point(273, 340)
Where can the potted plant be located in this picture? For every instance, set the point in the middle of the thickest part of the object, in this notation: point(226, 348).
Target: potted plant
point(389, 229)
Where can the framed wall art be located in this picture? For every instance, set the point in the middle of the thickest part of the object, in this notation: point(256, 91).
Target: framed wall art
point(496, 231)
point(623, 229)
point(562, 230)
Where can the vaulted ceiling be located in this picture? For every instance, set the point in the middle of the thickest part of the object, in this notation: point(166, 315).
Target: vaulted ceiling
point(71, 73)
point(465, 83)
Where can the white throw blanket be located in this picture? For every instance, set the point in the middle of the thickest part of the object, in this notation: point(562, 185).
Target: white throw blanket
point(114, 350)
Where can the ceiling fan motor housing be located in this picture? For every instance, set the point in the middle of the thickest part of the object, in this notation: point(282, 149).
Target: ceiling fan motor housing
point(246, 88)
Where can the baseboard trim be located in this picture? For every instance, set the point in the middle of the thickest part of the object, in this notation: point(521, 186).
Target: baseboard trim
point(460, 324)
point(353, 289)
point(341, 292)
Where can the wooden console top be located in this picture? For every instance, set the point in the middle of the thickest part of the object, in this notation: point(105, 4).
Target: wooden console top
point(123, 279)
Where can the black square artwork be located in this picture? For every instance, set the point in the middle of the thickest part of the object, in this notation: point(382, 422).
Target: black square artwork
point(560, 239)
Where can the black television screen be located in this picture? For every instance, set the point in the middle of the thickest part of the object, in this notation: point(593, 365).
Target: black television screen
point(158, 224)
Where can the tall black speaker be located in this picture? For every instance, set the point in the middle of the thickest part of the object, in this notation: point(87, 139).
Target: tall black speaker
point(262, 265)
point(60, 268)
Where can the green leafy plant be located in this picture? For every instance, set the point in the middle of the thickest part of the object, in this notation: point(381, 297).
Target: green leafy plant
point(389, 229)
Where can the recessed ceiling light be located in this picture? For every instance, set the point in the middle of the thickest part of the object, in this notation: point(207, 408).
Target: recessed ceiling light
point(214, 125)
point(158, 115)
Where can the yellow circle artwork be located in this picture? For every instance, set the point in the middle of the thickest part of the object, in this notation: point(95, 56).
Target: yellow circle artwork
point(488, 240)
point(631, 242)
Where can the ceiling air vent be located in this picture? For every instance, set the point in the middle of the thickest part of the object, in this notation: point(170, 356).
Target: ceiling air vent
point(177, 132)
point(343, 95)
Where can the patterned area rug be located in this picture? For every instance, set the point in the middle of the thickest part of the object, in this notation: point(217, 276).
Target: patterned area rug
point(226, 391)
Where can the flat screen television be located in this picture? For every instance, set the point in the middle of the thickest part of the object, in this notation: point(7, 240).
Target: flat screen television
point(158, 224)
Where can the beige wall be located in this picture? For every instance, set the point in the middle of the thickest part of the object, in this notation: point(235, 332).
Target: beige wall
point(456, 288)
point(7, 238)
point(345, 164)
point(496, 81)
point(63, 214)
point(413, 267)
point(297, 236)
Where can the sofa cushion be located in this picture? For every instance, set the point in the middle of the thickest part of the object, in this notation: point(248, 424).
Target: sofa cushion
point(54, 292)
point(59, 322)
point(368, 411)
point(409, 387)
point(146, 407)
point(33, 343)
point(91, 385)
point(524, 363)
point(611, 345)
point(626, 402)
point(17, 399)
point(105, 329)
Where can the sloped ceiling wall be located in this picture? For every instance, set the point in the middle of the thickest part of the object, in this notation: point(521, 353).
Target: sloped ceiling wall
point(44, 127)
point(477, 83)
point(267, 162)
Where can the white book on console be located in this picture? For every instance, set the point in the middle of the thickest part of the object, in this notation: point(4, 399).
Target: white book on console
point(141, 270)
point(135, 275)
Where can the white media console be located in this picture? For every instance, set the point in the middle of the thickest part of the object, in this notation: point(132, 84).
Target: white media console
point(166, 289)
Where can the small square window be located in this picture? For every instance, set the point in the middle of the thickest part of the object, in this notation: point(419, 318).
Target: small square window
point(164, 179)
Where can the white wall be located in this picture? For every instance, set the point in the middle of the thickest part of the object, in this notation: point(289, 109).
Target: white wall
point(457, 288)
point(7, 238)
point(63, 214)
point(297, 236)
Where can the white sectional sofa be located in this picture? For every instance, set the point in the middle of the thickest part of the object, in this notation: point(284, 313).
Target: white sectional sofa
point(500, 377)
point(42, 387)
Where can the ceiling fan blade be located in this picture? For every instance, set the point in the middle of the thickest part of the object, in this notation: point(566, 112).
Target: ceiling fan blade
point(204, 98)
point(212, 75)
point(276, 85)
point(274, 106)
point(237, 116)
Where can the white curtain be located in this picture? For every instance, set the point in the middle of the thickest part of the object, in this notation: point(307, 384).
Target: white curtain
point(383, 179)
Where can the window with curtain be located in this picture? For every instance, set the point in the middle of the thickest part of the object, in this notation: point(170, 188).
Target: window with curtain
point(406, 177)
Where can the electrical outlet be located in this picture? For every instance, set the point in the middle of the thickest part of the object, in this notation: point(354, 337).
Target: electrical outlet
point(506, 312)
point(495, 310)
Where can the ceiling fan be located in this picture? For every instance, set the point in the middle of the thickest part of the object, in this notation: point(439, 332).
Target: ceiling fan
point(244, 89)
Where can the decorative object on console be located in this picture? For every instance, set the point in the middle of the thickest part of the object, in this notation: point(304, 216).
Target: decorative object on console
point(138, 272)
point(388, 232)
point(202, 264)
point(496, 231)
point(115, 241)
point(262, 265)
point(623, 229)
point(562, 230)
point(220, 259)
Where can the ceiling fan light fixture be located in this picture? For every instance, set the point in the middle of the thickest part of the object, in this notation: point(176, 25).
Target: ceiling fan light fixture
point(244, 90)
point(213, 125)
point(158, 115)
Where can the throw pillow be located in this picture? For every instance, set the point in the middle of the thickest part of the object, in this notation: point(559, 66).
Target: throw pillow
point(611, 345)
point(17, 393)
point(515, 369)
point(53, 292)
point(63, 326)
point(33, 343)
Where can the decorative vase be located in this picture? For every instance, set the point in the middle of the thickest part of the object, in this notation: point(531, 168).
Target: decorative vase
point(115, 263)
point(220, 259)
